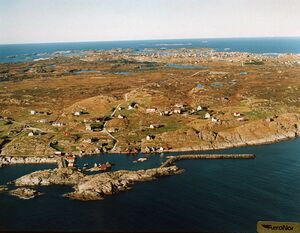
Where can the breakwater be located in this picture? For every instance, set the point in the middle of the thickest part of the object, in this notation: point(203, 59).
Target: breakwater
point(172, 159)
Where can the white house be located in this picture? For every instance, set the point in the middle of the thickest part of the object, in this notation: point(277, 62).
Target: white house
point(58, 124)
point(207, 115)
point(177, 110)
point(214, 119)
point(30, 134)
point(42, 121)
point(153, 126)
point(149, 137)
point(88, 127)
point(78, 113)
point(32, 112)
point(150, 110)
point(199, 108)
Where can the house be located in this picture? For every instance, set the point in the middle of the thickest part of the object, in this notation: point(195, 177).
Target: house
point(112, 130)
point(32, 112)
point(177, 110)
point(58, 124)
point(199, 108)
point(149, 137)
point(147, 149)
point(150, 110)
point(179, 105)
point(58, 153)
point(236, 114)
point(207, 116)
point(77, 113)
point(241, 119)
point(71, 161)
point(121, 116)
point(87, 140)
point(214, 119)
point(30, 134)
point(97, 151)
point(88, 127)
point(42, 121)
point(132, 106)
point(154, 126)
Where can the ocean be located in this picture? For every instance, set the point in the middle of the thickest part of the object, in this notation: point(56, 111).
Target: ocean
point(210, 196)
point(272, 46)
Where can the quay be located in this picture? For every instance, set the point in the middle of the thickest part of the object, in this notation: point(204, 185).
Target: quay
point(172, 159)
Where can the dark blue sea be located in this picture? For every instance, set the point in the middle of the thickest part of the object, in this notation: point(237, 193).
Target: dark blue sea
point(28, 52)
point(210, 196)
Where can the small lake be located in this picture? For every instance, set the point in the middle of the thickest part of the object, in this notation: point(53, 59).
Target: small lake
point(211, 196)
point(100, 72)
point(85, 71)
point(200, 86)
point(179, 66)
point(217, 84)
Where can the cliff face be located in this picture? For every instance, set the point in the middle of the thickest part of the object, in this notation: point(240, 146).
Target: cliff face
point(93, 187)
point(253, 133)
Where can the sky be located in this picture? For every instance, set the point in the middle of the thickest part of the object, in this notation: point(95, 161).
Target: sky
point(40, 21)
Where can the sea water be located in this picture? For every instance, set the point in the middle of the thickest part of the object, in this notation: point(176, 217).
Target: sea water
point(211, 195)
point(268, 46)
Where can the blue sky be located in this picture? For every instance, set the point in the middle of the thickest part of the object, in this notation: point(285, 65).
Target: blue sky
point(34, 21)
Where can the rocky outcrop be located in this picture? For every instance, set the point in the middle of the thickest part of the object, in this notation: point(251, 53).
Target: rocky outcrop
point(93, 187)
point(9, 160)
point(97, 186)
point(258, 132)
point(3, 188)
point(62, 176)
point(25, 193)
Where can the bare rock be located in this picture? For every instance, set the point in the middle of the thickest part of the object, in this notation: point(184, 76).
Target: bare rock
point(97, 186)
point(25, 193)
point(3, 188)
point(62, 176)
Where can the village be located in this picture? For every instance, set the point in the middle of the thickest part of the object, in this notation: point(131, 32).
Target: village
point(150, 101)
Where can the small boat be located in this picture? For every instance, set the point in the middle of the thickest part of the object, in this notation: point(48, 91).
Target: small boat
point(108, 164)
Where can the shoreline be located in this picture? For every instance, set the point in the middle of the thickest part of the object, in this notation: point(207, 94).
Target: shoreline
point(50, 159)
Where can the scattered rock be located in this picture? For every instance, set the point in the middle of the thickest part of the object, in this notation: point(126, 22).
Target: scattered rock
point(3, 188)
point(25, 193)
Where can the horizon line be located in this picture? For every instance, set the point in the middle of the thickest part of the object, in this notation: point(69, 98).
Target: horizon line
point(198, 38)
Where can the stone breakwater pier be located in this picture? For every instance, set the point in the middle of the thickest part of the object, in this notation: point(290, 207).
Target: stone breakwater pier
point(11, 160)
point(172, 159)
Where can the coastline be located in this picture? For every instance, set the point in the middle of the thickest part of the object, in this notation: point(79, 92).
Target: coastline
point(50, 159)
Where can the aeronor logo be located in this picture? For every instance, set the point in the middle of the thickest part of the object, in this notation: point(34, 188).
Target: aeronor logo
point(283, 227)
point(278, 227)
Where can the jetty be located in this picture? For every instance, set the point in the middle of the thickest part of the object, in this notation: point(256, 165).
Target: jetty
point(172, 159)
